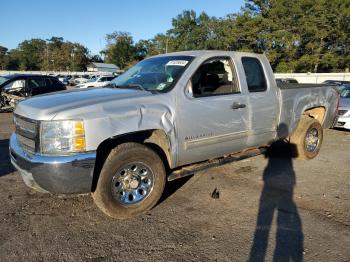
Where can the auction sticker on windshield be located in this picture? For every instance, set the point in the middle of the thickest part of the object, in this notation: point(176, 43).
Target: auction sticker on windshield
point(177, 63)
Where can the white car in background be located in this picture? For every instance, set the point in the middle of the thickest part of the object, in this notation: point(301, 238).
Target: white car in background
point(344, 108)
point(81, 80)
point(99, 82)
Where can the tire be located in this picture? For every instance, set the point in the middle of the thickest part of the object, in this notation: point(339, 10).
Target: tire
point(307, 138)
point(120, 185)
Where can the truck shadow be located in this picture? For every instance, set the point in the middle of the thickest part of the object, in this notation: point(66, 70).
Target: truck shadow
point(172, 187)
point(277, 197)
point(5, 163)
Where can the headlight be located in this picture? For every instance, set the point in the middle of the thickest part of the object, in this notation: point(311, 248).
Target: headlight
point(62, 137)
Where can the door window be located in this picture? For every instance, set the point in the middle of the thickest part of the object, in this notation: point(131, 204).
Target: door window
point(214, 77)
point(36, 83)
point(52, 82)
point(254, 74)
point(15, 84)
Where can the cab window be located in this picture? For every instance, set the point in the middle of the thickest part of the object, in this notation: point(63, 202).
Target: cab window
point(254, 74)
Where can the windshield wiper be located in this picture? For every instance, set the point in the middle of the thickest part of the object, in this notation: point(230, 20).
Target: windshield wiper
point(132, 86)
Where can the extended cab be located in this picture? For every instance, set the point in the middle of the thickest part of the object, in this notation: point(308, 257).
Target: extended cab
point(168, 116)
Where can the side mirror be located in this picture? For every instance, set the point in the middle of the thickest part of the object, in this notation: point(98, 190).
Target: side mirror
point(188, 89)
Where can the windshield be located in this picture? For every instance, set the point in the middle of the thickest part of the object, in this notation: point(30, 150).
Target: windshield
point(154, 74)
point(345, 92)
point(3, 79)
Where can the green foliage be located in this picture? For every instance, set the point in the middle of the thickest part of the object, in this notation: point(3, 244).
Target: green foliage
point(296, 36)
point(53, 54)
point(3, 57)
point(120, 49)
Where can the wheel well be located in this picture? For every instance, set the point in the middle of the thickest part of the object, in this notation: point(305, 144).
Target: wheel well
point(155, 139)
point(317, 112)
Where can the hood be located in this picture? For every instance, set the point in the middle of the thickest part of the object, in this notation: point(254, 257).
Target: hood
point(45, 107)
point(344, 102)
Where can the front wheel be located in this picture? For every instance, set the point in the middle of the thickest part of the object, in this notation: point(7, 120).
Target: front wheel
point(307, 138)
point(131, 181)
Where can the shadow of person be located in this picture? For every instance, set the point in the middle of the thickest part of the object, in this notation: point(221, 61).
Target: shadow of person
point(277, 197)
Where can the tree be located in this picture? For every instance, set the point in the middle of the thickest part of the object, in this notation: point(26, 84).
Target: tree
point(3, 57)
point(303, 35)
point(120, 49)
point(96, 59)
point(192, 32)
point(29, 54)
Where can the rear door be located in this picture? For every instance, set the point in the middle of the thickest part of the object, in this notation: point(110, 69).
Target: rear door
point(263, 100)
point(212, 113)
point(36, 85)
point(54, 85)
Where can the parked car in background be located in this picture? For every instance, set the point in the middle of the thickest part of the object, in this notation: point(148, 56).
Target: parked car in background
point(344, 108)
point(64, 79)
point(77, 79)
point(335, 82)
point(98, 82)
point(286, 81)
point(71, 80)
point(17, 87)
point(167, 117)
point(81, 79)
point(339, 85)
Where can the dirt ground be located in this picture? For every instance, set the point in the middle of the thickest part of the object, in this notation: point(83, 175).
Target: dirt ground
point(272, 207)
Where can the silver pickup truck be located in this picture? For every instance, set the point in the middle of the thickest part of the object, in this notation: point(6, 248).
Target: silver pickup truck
point(167, 117)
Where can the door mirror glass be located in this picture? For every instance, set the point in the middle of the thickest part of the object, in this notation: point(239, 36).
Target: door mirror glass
point(188, 89)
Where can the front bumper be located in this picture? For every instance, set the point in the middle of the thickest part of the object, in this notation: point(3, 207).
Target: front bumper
point(55, 174)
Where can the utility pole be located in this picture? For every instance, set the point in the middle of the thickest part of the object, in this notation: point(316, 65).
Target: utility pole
point(72, 54)
point(47, 58)
point(166, 45)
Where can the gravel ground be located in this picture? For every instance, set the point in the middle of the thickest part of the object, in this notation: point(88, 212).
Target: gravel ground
point(272, 207)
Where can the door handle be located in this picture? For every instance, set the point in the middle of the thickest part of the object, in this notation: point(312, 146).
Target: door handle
point(236, 105)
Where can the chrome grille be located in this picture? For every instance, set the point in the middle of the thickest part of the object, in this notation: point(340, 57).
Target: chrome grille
point(342, 112)
point(27, 131)
point(24, 125)
point(26, 143)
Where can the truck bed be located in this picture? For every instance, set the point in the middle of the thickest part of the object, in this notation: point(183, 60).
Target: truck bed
point(298, 86)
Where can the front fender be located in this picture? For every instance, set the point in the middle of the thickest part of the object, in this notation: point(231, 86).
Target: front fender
point(115, 122)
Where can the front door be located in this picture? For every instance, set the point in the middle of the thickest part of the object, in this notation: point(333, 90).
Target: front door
point(213, 114)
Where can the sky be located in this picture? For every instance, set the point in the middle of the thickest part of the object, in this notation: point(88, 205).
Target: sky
point(88, 21)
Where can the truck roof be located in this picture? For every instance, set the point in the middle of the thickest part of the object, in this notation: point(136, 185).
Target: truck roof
point(206, 52)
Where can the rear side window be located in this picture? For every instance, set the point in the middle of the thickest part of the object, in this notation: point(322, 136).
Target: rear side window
point(36, 82)
point(53, 82)
point(254, 74)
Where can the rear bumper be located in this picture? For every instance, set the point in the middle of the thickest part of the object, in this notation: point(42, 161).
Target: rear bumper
point(55, 174)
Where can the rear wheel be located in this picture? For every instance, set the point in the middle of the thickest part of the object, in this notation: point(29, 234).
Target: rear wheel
point(131, 181)
point(307, 138)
